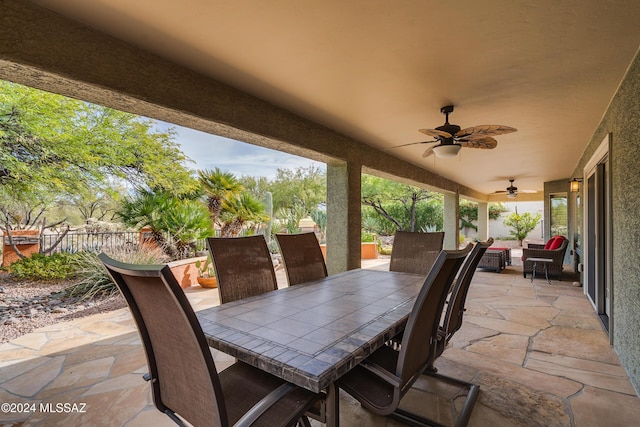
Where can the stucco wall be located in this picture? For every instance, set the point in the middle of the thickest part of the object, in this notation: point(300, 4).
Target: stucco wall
point(622, 120)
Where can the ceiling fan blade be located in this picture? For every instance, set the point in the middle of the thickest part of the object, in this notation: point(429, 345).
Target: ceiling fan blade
point(427, 152)
point(481, 142)
point(435, 133)
point(411, 143)
point(484, 130)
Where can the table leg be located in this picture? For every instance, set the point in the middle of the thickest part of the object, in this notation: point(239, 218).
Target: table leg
point(333, 406)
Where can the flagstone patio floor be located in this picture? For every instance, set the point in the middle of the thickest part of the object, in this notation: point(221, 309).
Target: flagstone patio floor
point(538, 352)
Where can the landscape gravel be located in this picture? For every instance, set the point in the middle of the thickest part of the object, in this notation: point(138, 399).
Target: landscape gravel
point(29, 305)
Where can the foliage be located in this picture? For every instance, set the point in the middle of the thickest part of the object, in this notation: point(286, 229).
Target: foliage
point(241, 210)
point(185, 221)
point(43, 267)
point(399, 206)
point(468, 212)
point(95, 281)
point(521, 224)
point(57, 151)
point(54, 144)
point(367, 237)
point(302, 189)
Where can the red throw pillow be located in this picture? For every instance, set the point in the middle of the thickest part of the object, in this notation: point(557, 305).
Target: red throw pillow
point(550, 242)
point(557, 242)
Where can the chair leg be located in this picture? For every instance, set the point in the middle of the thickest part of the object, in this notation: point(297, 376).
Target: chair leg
point(463, 418)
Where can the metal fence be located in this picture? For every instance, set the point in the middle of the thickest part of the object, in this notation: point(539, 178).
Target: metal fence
point(95, 242)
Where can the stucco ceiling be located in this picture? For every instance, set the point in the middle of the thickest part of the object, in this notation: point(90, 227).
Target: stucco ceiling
point(380, 70)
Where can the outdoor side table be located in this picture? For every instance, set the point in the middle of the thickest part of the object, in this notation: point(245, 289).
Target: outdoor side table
point(545, 262)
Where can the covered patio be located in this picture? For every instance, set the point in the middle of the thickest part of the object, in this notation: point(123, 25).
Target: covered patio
point(345, 83)
point(537, 351)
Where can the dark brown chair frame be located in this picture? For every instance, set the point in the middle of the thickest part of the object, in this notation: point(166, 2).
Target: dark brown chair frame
point(302, 257)
point(243, 267)
point(381, 380)
point(182, 373)
point(415, 252)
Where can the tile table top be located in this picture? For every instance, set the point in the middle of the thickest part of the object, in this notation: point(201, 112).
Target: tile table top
point(313, 333)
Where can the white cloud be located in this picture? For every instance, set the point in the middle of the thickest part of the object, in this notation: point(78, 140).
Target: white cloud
point(211, 151)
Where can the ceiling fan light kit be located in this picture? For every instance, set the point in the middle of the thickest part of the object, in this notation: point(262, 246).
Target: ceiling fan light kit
point(444, 151)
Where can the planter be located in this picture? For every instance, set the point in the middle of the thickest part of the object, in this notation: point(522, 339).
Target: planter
point(369, 250)
point(185, 271)
point(208, 282)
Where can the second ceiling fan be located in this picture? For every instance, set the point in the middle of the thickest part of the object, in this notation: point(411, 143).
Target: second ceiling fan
point(449, 138)
point(512, 191)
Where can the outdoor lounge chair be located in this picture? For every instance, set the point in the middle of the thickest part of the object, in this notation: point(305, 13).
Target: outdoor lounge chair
point(415, 252)
point(554, 249)
point(183, 377)
point(302, 256)
point(243, 267)
point(382, 380)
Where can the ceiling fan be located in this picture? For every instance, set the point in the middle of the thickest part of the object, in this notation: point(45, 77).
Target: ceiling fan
point(512, 191)
point(450, 138)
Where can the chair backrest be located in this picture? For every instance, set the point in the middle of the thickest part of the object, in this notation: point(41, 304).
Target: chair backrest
point(243, 266)
point(415, 252)
point(184, 379)
point(302, 257)
point(455, 308)
point(421, 332)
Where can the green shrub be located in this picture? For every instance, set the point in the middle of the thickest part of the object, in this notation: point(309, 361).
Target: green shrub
point(45, 267)
point(367, 237)
point(94, 280)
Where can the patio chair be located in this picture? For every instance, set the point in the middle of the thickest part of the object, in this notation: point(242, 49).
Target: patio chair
point(554, 249)
point(243, 267)
point(415, 252)
point(452, 320)
point(302, 257)
point(183, 377)
point(382, 380)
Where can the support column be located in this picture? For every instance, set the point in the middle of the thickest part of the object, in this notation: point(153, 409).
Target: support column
point(451, 220)
point(483, 221)
point(343, 216)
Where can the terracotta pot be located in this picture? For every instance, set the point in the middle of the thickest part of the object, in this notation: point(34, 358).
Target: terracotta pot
point(208, 282)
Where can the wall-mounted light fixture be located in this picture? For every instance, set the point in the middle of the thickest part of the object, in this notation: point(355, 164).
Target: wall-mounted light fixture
point(574, 185)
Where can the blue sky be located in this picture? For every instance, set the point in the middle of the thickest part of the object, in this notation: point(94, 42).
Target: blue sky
point(210, 151)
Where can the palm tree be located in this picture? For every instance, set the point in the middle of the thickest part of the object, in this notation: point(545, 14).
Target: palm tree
point(220, 188)
point(240, 210)
point(184, 221)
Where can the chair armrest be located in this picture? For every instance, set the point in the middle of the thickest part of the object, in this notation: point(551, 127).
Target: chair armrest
point(258, 409)
point(379, 371)
point(535, 246)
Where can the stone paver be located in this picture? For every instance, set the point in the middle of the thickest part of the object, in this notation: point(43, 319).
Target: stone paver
point(537, 351)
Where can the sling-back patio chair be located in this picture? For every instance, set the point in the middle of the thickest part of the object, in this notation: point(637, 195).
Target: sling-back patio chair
point(182, 374)
point(302, 256)
point(415, 252)
point(243, 267)
point(454, 311)
point(382, 380)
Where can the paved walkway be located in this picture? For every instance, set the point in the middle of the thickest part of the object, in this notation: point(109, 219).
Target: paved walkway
point(537, 351)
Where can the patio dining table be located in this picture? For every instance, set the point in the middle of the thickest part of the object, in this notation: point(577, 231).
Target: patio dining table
point(313, 333)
